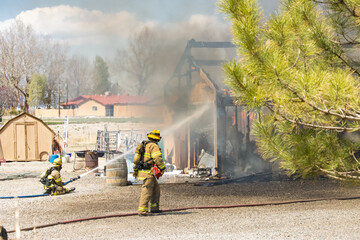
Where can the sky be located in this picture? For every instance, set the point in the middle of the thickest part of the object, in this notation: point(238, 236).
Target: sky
point(99, 27)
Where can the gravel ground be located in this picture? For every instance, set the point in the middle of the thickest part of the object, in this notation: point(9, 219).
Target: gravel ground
point(325, 219)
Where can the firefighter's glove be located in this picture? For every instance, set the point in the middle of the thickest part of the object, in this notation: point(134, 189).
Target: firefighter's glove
point(162, 172)
point(135, 174)
point(45, 181)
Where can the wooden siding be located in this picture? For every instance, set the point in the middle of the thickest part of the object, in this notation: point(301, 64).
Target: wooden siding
point(25, 138)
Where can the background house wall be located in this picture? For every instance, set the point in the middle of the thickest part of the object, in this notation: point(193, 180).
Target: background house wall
point(123, 106)
point(138, 111)
point(87, 109)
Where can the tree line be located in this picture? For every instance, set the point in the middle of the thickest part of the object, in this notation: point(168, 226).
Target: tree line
point(37, 71)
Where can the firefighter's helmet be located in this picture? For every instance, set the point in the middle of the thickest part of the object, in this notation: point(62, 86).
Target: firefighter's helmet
point(154, 135)
point(57, 162)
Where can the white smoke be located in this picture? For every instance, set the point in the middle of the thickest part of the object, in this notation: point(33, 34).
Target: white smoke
point(92, 32)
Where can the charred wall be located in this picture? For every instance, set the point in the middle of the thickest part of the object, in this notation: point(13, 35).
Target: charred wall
point(221, 135)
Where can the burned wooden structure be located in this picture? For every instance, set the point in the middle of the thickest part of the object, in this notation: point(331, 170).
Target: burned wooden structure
point(222, 133)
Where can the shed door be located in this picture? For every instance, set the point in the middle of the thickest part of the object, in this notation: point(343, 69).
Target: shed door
point(26, 142)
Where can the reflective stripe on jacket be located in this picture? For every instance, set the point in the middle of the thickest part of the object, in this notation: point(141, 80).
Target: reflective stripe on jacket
point(55, 178)
point(152, 156)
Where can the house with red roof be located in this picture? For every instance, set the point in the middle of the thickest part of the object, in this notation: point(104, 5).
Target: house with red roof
point(108, 105)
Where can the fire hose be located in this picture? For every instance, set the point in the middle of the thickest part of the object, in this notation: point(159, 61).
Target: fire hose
point(71, 180)
point(40, 195)
point(187, 208)
point(25, 196)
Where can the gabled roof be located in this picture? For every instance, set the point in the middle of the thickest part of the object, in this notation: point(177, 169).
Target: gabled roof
point(74, 101)
point(110, 99)
point(25, 115)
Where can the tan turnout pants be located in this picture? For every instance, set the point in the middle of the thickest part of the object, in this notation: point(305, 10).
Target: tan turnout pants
point(150, 192)
point(60, 190)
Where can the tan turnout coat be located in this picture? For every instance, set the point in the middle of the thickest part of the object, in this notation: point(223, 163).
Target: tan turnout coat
point(152, 156)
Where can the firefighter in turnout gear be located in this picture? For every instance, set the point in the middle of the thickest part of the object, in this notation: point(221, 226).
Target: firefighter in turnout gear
point(148, 166)
point(51, 179)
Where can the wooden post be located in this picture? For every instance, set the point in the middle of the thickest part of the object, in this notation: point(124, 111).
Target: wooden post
point(216, 139)
point(188, 140)
point(221, 135)
point(2, 159)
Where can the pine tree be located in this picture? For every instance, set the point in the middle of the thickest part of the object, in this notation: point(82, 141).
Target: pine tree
point(101, 76)
point(37, 90)
point(299, 71)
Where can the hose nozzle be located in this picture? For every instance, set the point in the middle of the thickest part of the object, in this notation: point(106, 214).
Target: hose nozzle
point(75, 178)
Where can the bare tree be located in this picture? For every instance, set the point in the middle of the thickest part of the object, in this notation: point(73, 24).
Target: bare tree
point(139, 60)
point(21, 54)
point(56, 57)
point(7, 99)
point(24, 53)
point(78, 75)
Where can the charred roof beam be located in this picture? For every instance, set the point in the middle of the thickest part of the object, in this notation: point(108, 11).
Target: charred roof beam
point(203, 62)
point(198, 44)
point(195, 44)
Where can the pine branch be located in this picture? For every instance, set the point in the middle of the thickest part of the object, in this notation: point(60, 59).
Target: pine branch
point(324, 111)
point(354, 157)
point(296, 61)
point(343, 60)
point(334, 177)
point(341, 175)
point(340, 2)
point(326, 47)
point(347, 7)
point(312, 125)
point(298, 122)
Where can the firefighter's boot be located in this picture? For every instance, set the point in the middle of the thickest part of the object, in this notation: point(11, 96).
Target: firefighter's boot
point(143, 214)
point(3, 233)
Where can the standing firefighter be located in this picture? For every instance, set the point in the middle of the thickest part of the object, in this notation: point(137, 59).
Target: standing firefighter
point(149, 166)
point(51, 179)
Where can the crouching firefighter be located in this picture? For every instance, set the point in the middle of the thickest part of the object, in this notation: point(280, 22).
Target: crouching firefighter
point(149, 166)
point(51, 180)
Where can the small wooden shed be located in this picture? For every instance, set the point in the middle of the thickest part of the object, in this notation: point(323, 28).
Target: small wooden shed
point(25, 138)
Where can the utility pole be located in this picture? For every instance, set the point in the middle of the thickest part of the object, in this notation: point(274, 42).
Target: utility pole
point(59, 96)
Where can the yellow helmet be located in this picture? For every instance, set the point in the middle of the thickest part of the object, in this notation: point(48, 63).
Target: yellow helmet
point(154, 134)
point(57, 162)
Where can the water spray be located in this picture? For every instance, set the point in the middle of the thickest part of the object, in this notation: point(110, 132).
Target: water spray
point(190, 118)
point(112, 160)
